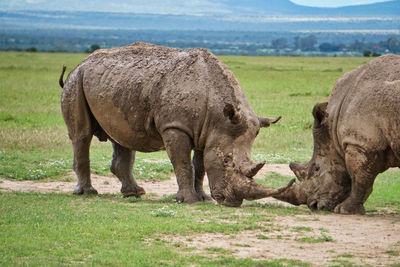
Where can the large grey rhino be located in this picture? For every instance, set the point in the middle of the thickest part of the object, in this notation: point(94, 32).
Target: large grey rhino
point(148, 98)
point(356, 136)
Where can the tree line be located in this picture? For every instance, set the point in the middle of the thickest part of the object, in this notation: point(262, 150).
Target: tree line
point(310, 43)
point(220, 43)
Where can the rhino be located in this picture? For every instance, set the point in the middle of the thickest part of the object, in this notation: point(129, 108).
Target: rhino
point(356, 136)
point(147, 98)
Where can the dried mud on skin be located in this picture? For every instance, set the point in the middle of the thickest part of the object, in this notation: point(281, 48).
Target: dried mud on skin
point(359, 240)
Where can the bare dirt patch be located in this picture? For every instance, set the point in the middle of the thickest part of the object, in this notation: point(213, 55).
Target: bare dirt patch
point(319, 239)
point(322, 239)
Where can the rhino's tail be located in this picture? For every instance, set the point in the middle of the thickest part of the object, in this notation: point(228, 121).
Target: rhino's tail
point(61, 80)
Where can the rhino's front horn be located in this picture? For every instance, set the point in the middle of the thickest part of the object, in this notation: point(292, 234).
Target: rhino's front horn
point(294, 195)
point(252, 169)
point(257, 191)
point(265, 122)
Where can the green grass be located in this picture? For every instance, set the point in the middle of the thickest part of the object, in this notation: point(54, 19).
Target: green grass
point(322, 238)
point(219, 250)
point(57, 229)
point(385, 195)
point(302, 229)
point(392, 252)
point(261, 236)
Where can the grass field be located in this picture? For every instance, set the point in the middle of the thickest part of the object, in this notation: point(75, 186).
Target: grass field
point(54, 229)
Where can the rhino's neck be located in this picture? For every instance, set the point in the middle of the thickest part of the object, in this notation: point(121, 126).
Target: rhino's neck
point(337, 105)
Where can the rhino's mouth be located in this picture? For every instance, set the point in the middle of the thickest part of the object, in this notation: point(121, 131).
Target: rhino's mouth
point(226, 201)
point(320, 204)
point(326, 200)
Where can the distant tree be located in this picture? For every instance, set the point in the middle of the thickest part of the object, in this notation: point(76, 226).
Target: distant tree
point(297, 42)
point(279, 43)
point(367, 53)
point(357, 45)
point(31, 49)
point(374, 54)
point(328, 47)
point(92, 48)
point(308, 43)
point(393, 45)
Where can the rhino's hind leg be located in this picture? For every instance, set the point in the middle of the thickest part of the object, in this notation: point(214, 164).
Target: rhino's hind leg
point(79, 122)
point(82, 166)
point(121, 165)
point(179, 146)
point(199, 172)
point(363, 169)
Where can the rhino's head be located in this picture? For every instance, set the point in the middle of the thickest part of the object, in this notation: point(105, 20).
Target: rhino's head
point(324, 181)
point(227, 158)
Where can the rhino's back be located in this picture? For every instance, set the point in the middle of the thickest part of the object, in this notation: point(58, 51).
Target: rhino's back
point(136, 91)
point(365, 104)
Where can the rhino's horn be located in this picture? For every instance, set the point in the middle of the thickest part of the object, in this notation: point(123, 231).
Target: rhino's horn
point(258, 191)
point(265, 122)
point(252, 169)
point(294, 195)
point(299, 169)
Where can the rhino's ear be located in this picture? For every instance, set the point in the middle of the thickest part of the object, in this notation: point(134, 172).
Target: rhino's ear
point(231, 113)
point(265, 122)
point(319, 112)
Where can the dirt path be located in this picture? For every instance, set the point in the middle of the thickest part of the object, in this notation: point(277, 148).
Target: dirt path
point(105, 184)
point(361, 240)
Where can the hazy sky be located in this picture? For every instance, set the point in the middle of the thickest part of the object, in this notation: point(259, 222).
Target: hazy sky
point(334, 3)
point(151, 6)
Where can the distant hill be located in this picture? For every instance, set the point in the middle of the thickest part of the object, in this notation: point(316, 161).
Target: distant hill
point(286, 7)
point(252, 27)
point(214, 22)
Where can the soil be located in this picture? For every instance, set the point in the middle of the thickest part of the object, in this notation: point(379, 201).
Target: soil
point(322, 239)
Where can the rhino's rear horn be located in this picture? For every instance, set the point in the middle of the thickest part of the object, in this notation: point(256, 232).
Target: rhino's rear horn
point(299, 169)
point(252, 169)
point(265, 122)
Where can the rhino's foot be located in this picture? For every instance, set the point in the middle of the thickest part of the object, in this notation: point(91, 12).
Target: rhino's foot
point(203, 196)
point(133, 192)
point(187, 196)
point(348, 208)
point(80, 190)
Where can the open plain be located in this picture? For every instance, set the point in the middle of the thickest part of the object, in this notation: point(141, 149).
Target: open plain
point(41, 223)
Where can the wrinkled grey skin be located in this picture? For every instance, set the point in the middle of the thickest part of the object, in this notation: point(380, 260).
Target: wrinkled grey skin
point(148, 98)
point(356, 136)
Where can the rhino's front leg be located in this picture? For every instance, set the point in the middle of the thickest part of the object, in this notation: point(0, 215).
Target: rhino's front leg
point(121, 165)
point(199, 172)
point(362, 168)
point(179, 146)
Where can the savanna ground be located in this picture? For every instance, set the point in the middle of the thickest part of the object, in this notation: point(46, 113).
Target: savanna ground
point(41, 223)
